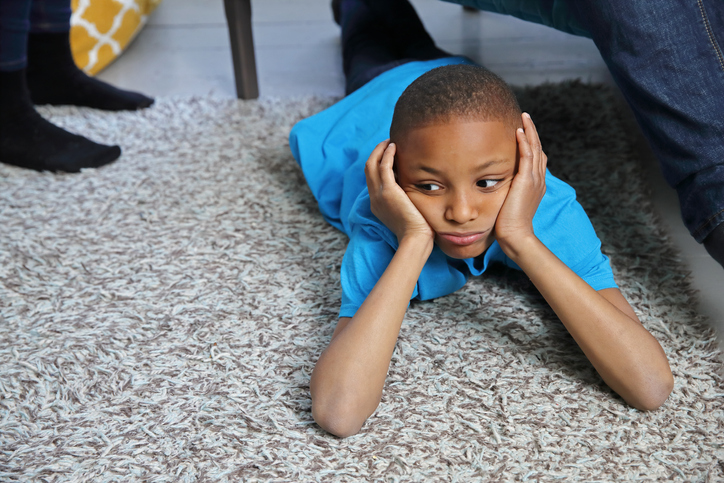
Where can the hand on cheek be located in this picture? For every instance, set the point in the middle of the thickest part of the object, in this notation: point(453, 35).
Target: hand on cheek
point(515, 220)
point(388, 200)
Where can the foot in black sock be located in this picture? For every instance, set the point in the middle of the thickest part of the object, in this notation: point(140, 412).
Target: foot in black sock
point(714, 244)
point(53, 78)
point(29, 141)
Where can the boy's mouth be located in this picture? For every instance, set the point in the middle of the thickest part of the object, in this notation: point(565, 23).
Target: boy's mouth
point(463, 239)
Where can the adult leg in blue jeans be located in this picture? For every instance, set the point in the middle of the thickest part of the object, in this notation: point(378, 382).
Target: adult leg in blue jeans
point(36, 66)
point(666, 57)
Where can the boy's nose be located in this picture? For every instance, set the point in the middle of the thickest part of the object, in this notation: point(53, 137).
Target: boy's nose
point(460, 209)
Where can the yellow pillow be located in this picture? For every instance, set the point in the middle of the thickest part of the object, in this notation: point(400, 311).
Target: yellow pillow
point(101, 29)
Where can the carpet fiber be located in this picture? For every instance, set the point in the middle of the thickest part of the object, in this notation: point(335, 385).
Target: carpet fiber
point(160, 318)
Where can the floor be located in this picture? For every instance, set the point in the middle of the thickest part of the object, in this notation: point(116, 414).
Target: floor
point(185, 50)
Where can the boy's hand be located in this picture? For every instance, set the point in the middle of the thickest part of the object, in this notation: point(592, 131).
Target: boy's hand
point(515, 220)
point(388, 200)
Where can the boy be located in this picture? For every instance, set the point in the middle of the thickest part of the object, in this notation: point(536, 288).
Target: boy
point(461, 183)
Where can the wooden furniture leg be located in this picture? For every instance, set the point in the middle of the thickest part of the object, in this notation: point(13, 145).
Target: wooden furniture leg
point(238, 17)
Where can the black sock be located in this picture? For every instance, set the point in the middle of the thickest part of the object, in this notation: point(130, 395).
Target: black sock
point(53, 78)
point(29, 141)
point(714, 244)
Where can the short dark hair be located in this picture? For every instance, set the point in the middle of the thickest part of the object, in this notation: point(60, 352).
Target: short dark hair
point(462, 91)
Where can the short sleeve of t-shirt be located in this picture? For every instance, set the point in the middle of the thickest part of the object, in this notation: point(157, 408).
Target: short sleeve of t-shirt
point(563, 226)
point(365, 260)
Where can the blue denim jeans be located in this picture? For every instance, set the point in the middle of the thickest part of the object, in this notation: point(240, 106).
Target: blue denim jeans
point(666, 57)
point(20, 17)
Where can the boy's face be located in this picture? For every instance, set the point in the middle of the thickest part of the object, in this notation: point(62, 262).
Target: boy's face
point(458, 175)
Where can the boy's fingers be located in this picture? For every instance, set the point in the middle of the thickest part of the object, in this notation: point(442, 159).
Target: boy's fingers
point(531, 132)
point(374, 159)
point(370, 172)
point(526, 153)
point(387, 175)
point(539, 157)
point(372, 164)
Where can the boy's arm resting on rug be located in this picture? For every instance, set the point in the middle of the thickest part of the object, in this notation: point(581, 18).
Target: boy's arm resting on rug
point(347, 381)
point(627, 357)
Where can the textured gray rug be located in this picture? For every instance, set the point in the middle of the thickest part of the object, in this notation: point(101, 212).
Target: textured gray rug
point(160, 318)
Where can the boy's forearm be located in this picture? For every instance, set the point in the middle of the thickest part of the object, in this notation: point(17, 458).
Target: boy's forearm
point(350, 374)
point(628, 358)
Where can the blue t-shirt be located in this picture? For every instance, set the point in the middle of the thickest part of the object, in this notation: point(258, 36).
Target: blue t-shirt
point(332, 148)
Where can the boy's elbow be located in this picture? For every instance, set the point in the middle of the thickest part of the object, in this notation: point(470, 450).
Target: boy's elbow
point(655, 393)
point(337, 420)
point(338, 406)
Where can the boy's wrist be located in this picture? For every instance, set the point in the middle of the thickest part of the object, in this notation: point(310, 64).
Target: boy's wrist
point(419, 243)
point(517, 247)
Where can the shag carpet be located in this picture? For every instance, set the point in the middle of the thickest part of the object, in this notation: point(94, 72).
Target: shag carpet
point(160, 318)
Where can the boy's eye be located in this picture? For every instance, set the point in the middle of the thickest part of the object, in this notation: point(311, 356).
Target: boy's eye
point(488, 183)
point(428, 187)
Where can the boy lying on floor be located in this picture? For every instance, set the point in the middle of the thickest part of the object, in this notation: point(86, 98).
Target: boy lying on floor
point(461, 183)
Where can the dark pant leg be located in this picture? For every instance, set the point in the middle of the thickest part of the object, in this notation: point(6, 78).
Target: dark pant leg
point(50, 16)
point(666, 57)
point(14, 28)
point(405, 29)
point(20, 17)
point(366, 46)
point(369, 45)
